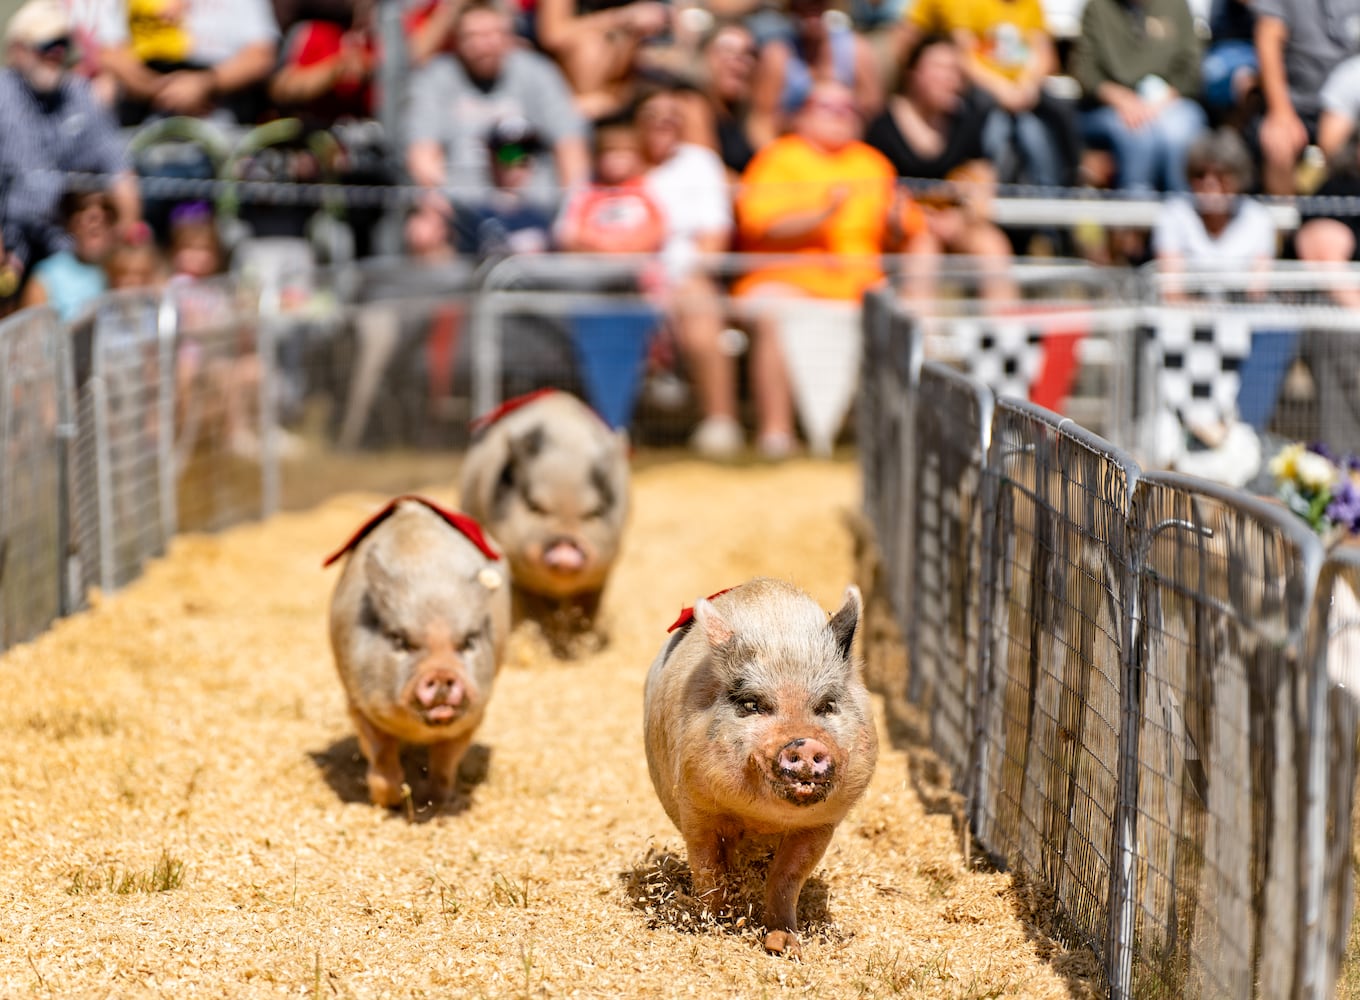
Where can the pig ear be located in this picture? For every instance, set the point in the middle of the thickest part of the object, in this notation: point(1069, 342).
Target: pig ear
point(711, 623)
point(528, 444)
point(622, 444)
point(845, 622)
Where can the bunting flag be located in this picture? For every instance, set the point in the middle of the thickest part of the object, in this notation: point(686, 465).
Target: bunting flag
point(1026, 357)
point(441, 347)
point(611, 350)
point(1262, 375)
point(822, 345)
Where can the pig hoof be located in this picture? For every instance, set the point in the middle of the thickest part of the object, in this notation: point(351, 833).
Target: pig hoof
point(384, 793)
point(783, 943)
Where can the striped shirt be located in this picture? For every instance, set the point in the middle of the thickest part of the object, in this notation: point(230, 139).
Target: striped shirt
point(40, 137)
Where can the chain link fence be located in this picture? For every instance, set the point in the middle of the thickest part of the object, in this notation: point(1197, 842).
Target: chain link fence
point(1141, 681)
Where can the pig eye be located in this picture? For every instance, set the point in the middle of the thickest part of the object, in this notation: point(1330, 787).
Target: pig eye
point(470, 643)
point(828, 706)
point(399, 641)
point(534, 506)
point(747, 704)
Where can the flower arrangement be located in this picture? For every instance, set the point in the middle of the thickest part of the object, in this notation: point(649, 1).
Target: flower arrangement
point(1319, 487)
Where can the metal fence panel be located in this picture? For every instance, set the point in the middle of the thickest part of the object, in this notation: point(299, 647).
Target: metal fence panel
point(947, 456)
point(1334, 652)
point(222, 391)
point(122, 511)
point(1225, 586)
point(1049, 723)
point(34, 408)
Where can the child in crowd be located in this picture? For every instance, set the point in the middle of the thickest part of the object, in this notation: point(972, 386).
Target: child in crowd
point(133, 265)
point(70, 280)
point(616, 214)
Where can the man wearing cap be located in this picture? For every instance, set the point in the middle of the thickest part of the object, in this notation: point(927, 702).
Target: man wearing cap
point(456, 101)
point(52, 124)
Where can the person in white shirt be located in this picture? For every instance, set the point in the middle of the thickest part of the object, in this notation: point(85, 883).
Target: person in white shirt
point(689, 182)
point(1214, 228)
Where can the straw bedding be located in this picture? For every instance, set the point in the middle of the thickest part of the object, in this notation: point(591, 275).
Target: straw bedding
point(183, 809)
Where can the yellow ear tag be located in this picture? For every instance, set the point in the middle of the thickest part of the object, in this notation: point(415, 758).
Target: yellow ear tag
point(489, 578)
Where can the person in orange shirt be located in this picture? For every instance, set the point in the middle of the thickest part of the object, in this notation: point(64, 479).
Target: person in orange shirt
point(822, 194)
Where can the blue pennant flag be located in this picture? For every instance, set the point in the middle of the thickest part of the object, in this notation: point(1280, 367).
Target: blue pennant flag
point(611, 349)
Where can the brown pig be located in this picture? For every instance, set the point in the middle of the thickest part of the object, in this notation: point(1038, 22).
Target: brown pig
point(758, 731)
point(418, 622)
point(549, 479)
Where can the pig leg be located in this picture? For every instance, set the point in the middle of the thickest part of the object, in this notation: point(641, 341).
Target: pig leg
point(444, 759)
point(383, 753)
point(709, 860)
point(794, 860)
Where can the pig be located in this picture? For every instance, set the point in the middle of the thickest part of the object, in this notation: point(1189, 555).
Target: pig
point(758, 732)
point(418, 624)
point(549, 479)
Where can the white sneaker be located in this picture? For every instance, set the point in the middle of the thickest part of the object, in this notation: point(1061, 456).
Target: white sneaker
point(717, 437)
point(776, 447)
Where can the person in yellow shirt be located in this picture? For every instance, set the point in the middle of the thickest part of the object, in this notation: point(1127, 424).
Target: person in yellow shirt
point(1030, 135)
point(830, 201)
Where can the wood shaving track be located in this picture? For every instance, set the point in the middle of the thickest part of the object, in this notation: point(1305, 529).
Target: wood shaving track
point(194, 719)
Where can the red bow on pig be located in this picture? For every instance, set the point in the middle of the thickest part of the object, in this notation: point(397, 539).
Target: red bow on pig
point(459, 522)
point(687, 614)
point(510, 406)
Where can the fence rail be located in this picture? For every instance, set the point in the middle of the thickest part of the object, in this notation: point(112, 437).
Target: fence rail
point(1145, 684)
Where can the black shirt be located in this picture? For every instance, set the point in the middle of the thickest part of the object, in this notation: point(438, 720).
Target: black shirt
point(963, 142)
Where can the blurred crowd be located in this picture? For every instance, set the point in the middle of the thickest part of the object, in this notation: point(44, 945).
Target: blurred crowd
point(679, 128)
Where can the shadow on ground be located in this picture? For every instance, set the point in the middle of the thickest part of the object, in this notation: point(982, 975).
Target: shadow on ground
point(342, 765)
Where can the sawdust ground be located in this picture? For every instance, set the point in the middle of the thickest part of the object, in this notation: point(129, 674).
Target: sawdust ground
point(189, 732)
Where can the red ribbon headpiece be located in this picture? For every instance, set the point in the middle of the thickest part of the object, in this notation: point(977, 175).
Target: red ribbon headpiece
point(687, 614)
point(459, 522)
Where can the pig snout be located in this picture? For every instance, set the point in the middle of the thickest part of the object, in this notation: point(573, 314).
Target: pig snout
point(805, 770)
point(564, 555)
point(440, 695)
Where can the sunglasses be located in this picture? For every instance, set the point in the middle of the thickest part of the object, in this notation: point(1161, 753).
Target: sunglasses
point(844, 109)
point(511, 155)
point(59, 46)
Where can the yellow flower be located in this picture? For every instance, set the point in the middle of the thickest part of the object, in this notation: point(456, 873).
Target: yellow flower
point(1285, 464)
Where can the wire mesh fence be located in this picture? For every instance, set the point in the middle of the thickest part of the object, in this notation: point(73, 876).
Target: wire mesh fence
point(34, 431)
point(1225, 589)
point(1159, 737)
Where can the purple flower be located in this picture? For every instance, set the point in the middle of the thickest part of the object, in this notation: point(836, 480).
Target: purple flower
point(1323, 449)
point(1344, 508)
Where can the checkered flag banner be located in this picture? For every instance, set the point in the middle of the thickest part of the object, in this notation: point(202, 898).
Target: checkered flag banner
point(1199, 363)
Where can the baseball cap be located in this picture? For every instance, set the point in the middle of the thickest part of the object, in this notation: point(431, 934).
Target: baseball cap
point(511, 139)
point(38, 23)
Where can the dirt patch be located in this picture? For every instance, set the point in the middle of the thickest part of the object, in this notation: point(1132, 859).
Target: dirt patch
point(183, 802)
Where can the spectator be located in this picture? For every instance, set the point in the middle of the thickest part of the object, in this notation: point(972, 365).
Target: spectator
point(188, 57)
point(597, 43)
point(932, 130)
point(823, 47)
point(1216, 228)
point(1231, 73)
point(133, 265)
point(1008, 53)
point(327, 68)
point(52, 123)
point(1298, 44)
point(616, 214)
point(1340, 100)
point(818, 190)
point(1138, 65)
point(70, 280)
point(508, 220)
point(688, 182)
point(1335, 240)
point(718, 113)
point(455, 102)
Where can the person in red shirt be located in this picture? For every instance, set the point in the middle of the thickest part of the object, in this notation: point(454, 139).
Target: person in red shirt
point(616, 214)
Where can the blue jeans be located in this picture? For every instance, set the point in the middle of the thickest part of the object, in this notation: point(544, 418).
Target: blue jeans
point(1022, 148)
point(1154, 152)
